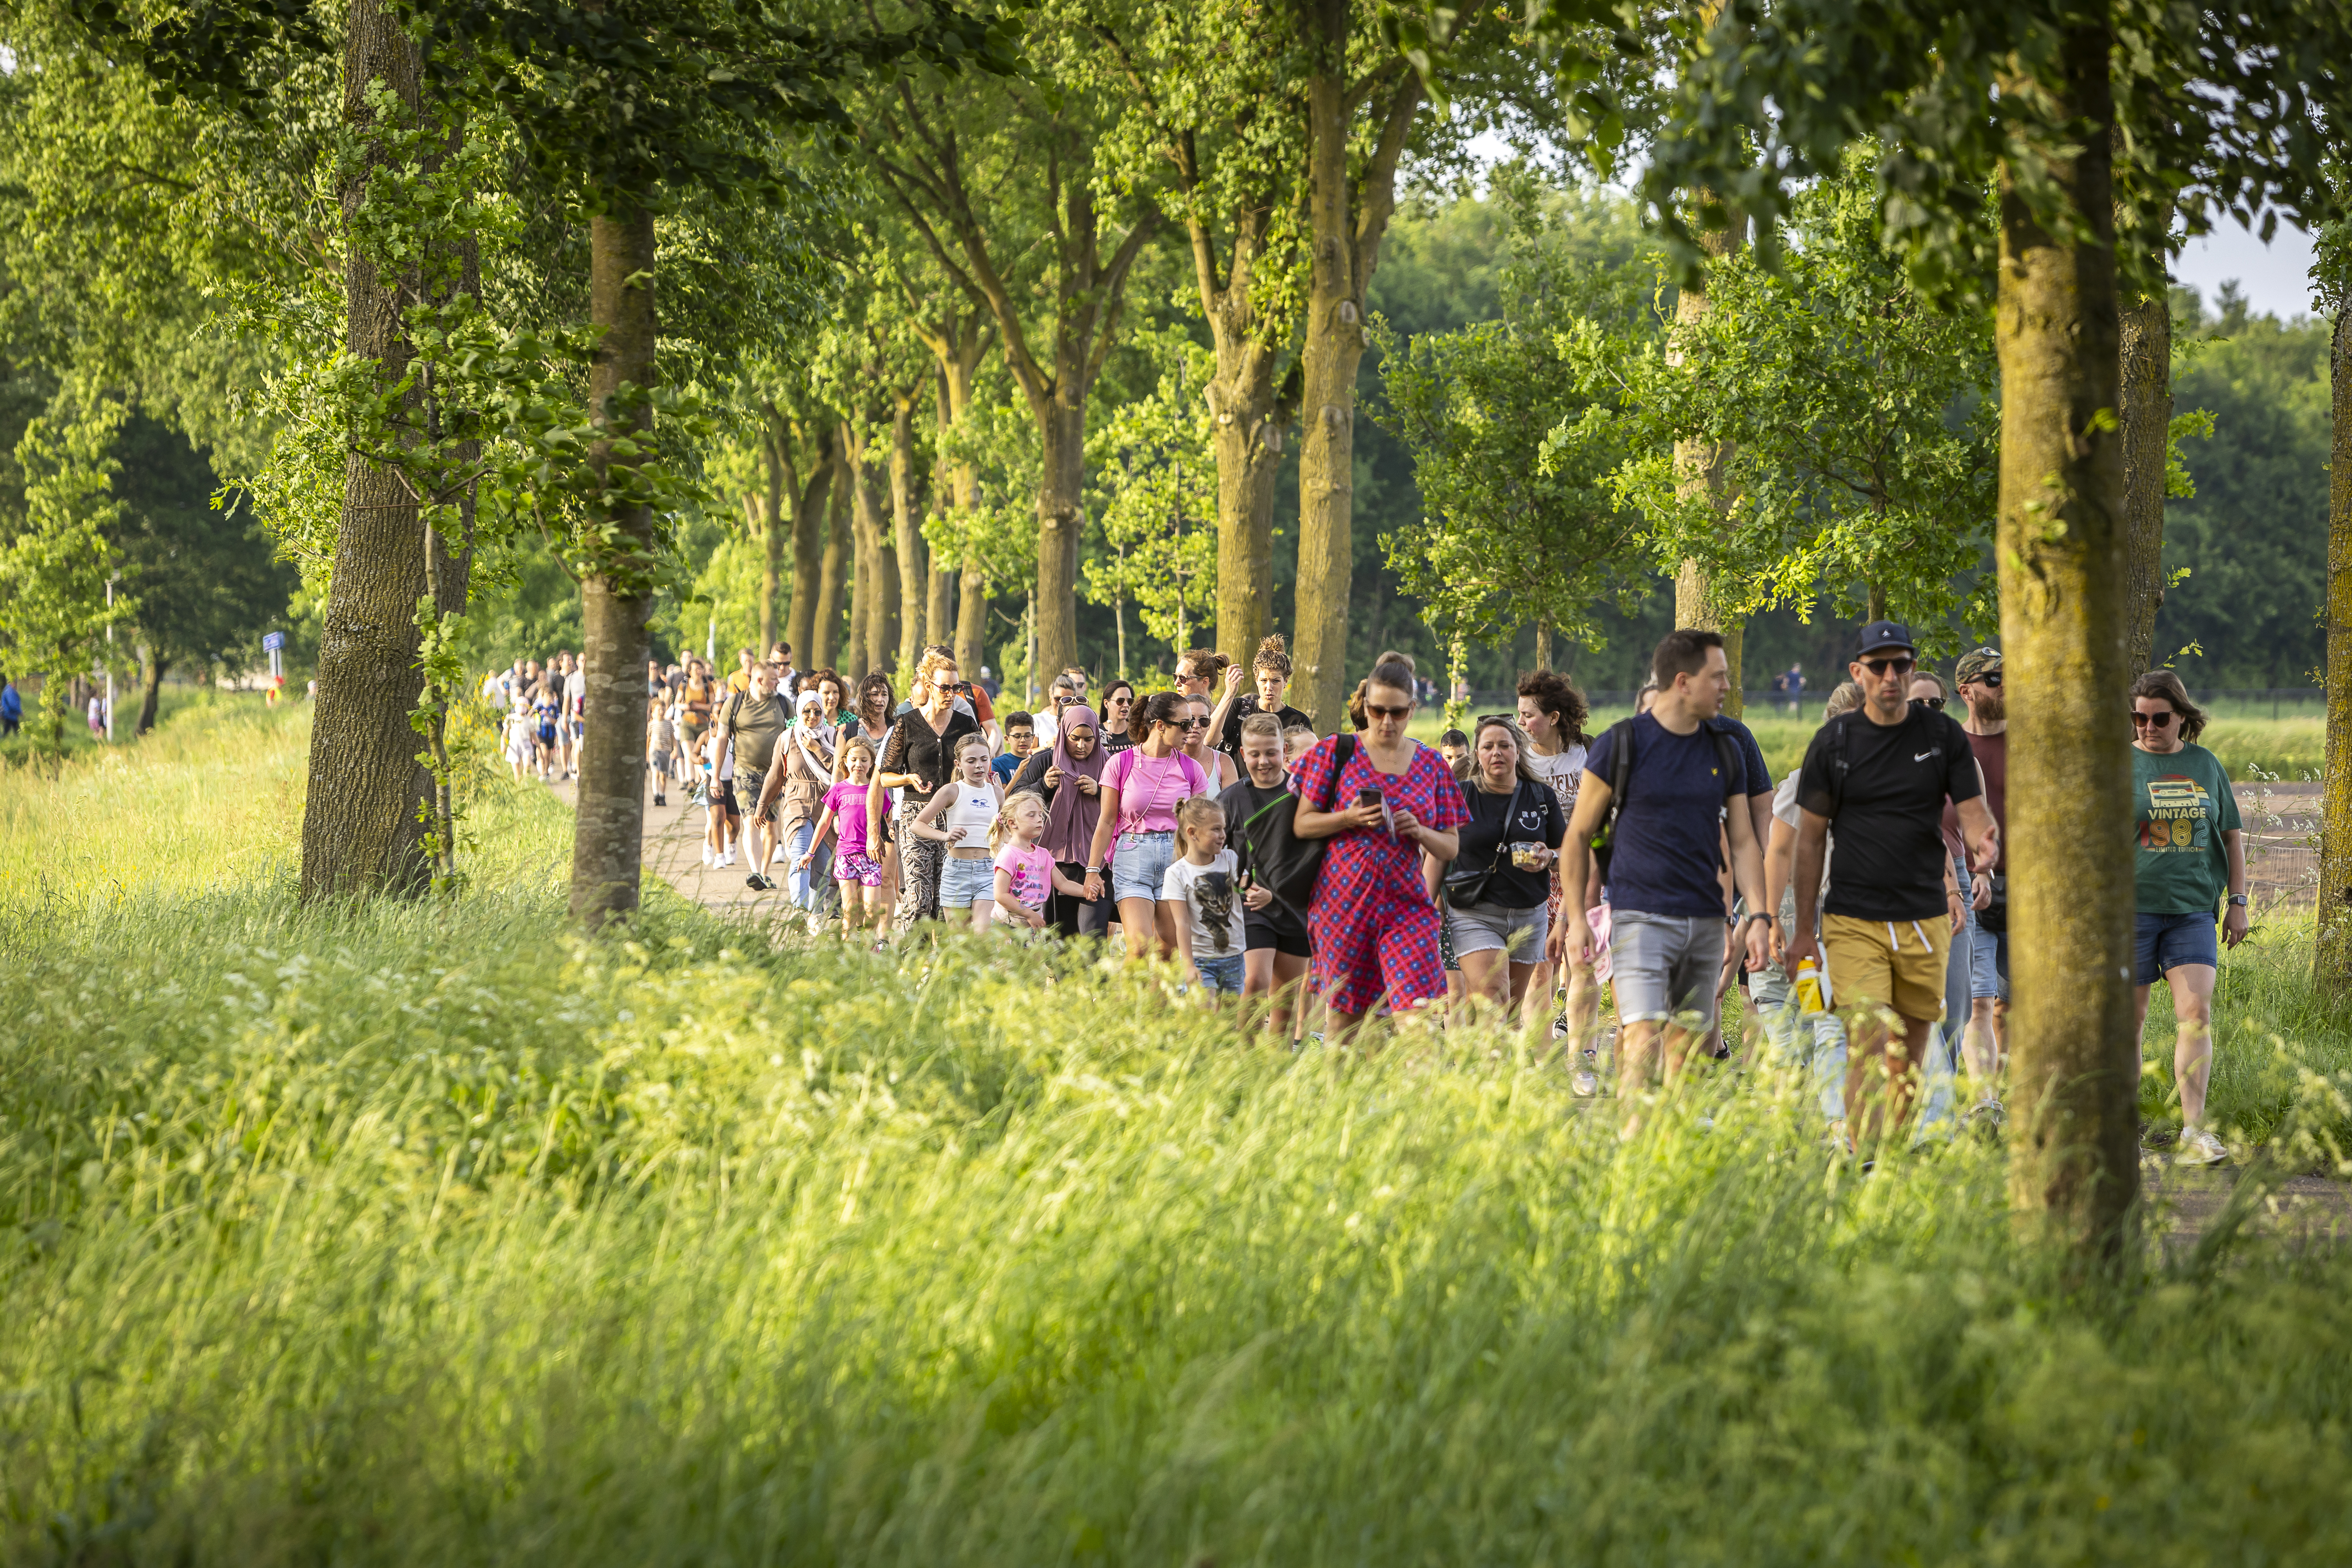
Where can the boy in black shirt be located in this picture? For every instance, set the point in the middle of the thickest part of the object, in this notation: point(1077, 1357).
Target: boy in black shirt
point(1881, 774)
point(1274, 940)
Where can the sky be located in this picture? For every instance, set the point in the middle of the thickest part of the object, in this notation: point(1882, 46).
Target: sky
point(2276, 278)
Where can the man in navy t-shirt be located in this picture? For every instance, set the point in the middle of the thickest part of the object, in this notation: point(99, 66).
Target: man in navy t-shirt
point(1687, 787)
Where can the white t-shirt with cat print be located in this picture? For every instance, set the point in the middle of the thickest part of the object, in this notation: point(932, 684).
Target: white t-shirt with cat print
point(1213, 904)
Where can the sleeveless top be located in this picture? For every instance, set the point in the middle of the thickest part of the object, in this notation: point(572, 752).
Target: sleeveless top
point(975, 808)
point(1151, 788)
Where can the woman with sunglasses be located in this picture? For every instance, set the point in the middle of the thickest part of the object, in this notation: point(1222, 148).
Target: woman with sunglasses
point(1217, 765)
point(1118, 717)
point(2190, 852)
point(1383, 800)
point(1142, 788)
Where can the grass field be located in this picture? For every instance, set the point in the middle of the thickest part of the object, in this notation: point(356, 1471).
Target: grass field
point(436, 1234)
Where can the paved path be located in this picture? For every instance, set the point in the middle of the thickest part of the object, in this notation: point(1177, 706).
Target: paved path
point(673, 851)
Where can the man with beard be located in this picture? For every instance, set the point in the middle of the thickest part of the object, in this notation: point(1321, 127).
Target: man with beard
point(1978, 678)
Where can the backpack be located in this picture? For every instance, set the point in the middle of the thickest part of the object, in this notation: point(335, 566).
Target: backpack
point(1278, 859)
point(1620, 774)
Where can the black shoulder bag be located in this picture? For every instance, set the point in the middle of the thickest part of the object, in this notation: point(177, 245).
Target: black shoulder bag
point(1467, 885)
point(1280, 861)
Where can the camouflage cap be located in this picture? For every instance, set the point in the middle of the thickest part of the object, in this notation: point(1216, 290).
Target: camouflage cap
point(1974, 663)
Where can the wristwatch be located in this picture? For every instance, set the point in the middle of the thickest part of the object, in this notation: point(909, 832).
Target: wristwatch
point(2239, 900)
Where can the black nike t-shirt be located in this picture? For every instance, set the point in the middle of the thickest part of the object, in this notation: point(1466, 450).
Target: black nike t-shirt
point(1882, 787)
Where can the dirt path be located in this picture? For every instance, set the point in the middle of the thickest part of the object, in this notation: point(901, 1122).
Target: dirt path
point(673, 851)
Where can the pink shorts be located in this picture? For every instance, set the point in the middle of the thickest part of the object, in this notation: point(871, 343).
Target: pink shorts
point(862, 870)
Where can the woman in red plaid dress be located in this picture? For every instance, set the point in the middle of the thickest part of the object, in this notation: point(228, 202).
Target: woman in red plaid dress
point(1372, 925)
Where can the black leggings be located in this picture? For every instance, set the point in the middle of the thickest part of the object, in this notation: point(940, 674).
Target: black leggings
point(1075, 917)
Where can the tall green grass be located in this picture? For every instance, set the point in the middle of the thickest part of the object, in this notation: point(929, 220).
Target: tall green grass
point(431, 1234)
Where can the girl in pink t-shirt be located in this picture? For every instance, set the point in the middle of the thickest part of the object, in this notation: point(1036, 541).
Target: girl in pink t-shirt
point(1025, 873)
point(854, 870)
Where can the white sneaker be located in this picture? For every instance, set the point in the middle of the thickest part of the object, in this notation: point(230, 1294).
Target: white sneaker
point(1586, 1083)
point(706, 857)
point(2199, 1147)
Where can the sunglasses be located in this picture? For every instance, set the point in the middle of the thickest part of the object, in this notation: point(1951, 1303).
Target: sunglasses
point(1882, 666)
point(1990, 677)
point(2153, 720)
point(1377, 711)
point(1196, 723)
point(1935, 703)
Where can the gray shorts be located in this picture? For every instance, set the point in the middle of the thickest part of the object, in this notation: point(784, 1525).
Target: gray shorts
point(1664, 965)
point(1491, 928)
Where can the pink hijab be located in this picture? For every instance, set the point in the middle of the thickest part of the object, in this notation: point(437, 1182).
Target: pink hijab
point(1071, 815)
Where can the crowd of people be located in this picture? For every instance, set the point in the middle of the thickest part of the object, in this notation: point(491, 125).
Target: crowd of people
point(1521, 867)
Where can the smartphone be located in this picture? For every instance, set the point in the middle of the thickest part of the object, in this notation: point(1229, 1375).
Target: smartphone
point(1368, 797)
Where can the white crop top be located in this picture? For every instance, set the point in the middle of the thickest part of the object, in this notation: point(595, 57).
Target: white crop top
point(975, 808)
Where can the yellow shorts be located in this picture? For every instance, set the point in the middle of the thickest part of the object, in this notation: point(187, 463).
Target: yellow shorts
point(1898, 964)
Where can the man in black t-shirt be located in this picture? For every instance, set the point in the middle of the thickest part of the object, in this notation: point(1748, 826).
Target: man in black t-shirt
point(1882, 774)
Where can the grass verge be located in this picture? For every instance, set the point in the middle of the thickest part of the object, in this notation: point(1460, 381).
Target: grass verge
point(431, 1234)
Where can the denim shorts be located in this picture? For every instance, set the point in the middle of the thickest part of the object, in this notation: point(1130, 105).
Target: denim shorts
point(1221, 974)
point(963, 883)
point(1491, 927)
point(1141, 867)
point(2164, 942)
point(1988, 961)
point(1662, 965)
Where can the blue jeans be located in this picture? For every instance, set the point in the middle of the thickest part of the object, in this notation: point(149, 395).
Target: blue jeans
point(1219, 973)
point(808, 885)
point(1141, 865)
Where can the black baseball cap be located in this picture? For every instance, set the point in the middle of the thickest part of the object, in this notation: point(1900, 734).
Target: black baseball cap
point(1879, 635)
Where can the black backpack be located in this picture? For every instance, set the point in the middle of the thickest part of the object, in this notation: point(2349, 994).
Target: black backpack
point(1276, 858)
point(1621, 774)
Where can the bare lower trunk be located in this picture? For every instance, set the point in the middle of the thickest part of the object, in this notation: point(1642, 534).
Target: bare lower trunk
point(1543, 645)
point(808, 546)
point(1059, 520)
point(826, 647)
point(939, 604)
point(1349, 211)
point(2146, 415)
point(906, 530)
point(2334, 963)
point(1703, 469)
point(2074, 1159)
point(772, 528)
point(885, 625)
point(866, 566)
point(152, 697)
point(616, 598)
point(361, 823)
point(1249, 462)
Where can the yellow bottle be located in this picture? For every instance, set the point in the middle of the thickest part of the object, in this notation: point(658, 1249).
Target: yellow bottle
point(1809, 988)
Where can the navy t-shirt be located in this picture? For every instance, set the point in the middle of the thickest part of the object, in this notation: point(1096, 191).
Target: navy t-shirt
point(1759, 777)
point(1665, 859)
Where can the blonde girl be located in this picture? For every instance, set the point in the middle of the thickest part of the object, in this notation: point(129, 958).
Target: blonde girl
point(1202, 898)
point(855, 871)
point(1025, 873)
point(959, 819)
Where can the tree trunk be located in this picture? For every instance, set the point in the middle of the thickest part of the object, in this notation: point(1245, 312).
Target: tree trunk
point(907, 530)
point(1700, 467)
point(808, 529)
point(2146, 415)
point(939, 604)
point(152, 697)
point(608, 831)
point(865, 538)
point(884, 628)
point(1348, 217)
point(2334, 963)
point(1060, 517)
point(1249, 419)
point(824, 634)
point(361, 822)
point(2074, 1159)
point(771, 528)
point(1543, 645)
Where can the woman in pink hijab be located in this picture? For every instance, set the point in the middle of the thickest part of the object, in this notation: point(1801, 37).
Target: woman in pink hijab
point(1069, 777)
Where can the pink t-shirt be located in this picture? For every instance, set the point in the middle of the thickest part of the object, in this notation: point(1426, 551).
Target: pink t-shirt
point(1151, 788)
point(1031, 870)
point(846, 801)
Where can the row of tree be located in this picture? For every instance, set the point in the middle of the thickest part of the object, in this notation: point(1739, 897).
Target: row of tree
point(448, 222)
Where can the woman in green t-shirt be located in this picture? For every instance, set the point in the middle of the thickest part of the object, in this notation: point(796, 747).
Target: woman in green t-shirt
point(2190, 848)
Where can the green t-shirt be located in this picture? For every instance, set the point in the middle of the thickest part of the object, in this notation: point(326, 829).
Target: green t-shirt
point(2183, 805)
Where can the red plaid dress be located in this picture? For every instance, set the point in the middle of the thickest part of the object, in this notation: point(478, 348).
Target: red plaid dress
point(1372, 926)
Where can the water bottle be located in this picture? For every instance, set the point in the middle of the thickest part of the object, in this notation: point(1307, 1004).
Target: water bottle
point(1809, 989)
